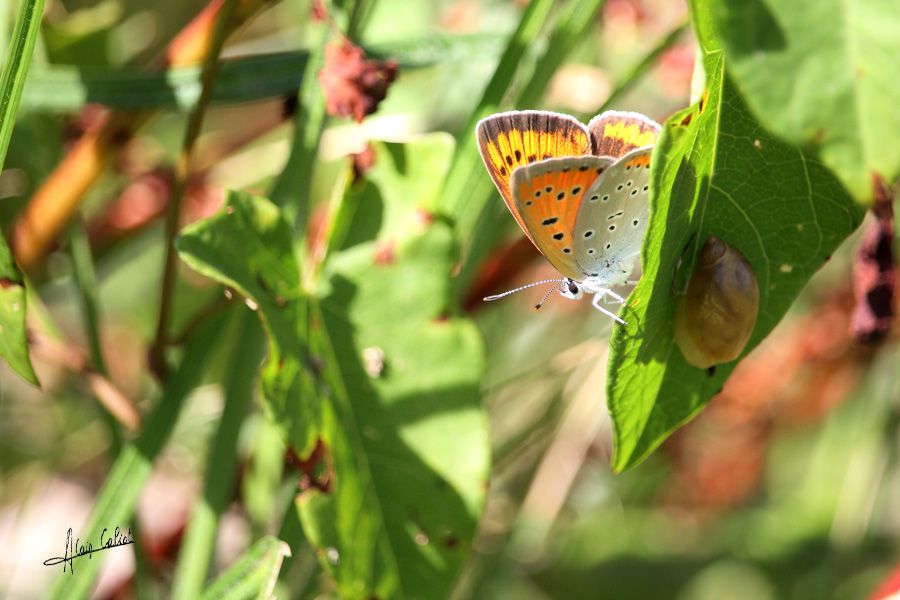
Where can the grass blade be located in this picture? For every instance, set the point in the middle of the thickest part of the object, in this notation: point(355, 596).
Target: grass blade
point(28, 24)
point(196, 550)
point(468, 188)
point(254, 575)
point(466, 162)
point(641, 67)
point(117, 498)
point(14, 342)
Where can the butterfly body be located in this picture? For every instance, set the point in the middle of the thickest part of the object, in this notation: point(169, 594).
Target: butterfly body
point(579, 193)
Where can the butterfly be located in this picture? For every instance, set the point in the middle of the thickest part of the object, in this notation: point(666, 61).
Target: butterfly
point(579, 193)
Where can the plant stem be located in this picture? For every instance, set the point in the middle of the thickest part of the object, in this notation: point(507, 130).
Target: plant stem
point(86, 282)
point(466, 163)
point(182, 172)
point(18, 59)
point(640, 68)
point(197, 547)
point(117, 498)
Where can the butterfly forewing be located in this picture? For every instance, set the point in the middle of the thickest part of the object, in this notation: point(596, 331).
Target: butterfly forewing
point(612, 218)
point(547, 195)
point(616, 133)
point(510, 140)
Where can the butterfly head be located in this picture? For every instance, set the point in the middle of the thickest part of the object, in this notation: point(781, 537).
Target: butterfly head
point(571, 289)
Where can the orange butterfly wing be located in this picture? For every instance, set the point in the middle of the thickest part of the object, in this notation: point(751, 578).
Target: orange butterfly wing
point(512, 139)
point(548, 195)
point(616, 133)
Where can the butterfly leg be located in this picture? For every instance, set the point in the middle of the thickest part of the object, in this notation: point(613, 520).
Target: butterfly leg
point(613, 295)
point(596, 303)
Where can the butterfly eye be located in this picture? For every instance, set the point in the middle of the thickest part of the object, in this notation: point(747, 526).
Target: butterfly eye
point(716, 315)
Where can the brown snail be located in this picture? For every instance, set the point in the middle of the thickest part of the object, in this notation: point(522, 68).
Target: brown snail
point(716, 315)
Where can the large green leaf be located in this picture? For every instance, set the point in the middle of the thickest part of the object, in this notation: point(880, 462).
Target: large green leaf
point(821, 72)
point(374, 368)
point(716, 172)
point(247, 246)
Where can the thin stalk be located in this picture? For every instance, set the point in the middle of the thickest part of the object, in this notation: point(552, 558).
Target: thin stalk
point(570, 29)
point(12, 81)
point(197, 548)
point(292, 188)
point(182, 172)
point(14, 346)
point(86, 283)
point(117, 498)
point(476, 218)
point(466, 162)
point(636, 72)
point(358, 12)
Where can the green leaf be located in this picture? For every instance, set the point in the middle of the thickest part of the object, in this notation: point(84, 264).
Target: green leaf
point(245, 79)
point(67, 88)
point(248, 246)
point(375, 369)
point(14, 338)
point(716, 171)
point(253, 575)
point(822, 73)
point(13, 341)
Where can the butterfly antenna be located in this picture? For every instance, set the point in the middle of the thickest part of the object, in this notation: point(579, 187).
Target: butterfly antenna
point(525, 287)
point(547, 295)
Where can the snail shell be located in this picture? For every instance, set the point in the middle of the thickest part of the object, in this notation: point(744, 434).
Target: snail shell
point(716, 315)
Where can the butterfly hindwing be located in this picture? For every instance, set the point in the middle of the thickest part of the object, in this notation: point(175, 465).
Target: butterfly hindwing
point(612, 219)
point(547, 195)
point(513, 139)
point(615, 133)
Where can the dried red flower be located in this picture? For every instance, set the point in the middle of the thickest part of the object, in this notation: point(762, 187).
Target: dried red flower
point(354, 86)
point(875, 272)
